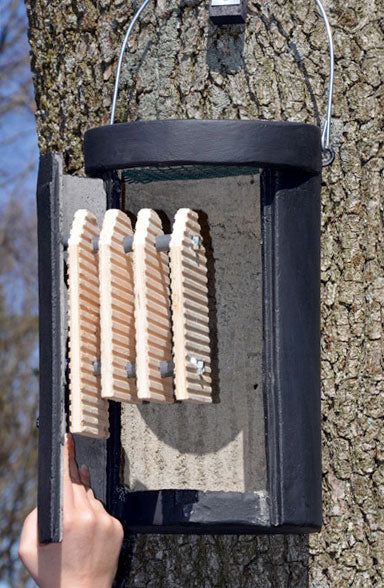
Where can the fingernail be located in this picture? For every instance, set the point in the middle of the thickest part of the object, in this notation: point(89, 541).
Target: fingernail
point(84, 469)
point(70, 445)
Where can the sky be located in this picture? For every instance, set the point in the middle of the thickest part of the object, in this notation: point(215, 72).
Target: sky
point(18, 137)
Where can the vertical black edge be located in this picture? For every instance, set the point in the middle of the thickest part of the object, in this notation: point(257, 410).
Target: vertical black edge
point(291, 268)
point(270, 404)
point(112, 186)
point(52, 368)
point(115, 491)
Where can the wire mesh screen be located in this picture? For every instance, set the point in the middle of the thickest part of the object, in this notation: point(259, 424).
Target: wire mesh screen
point(145, 175)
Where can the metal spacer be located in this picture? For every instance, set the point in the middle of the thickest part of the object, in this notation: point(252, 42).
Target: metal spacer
point(97, 367)
point(162, 242)
point(128, 244)
point(167, 369)
point(95, 244)
point(130, 368)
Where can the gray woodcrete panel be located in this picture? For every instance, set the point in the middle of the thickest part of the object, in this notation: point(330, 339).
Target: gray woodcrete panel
point(86, 193)
point(221, 446)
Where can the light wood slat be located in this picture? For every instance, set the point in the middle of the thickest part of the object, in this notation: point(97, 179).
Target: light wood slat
point(153, 322)
point(117, 317)
point(88, 411)
point(189, 310)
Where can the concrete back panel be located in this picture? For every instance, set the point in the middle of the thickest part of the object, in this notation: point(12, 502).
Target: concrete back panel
point(220, 446)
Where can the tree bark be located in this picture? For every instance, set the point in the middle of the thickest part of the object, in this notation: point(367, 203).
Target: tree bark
point(178, 65)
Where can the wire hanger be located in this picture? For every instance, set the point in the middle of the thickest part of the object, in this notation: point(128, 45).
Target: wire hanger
point(327, 149)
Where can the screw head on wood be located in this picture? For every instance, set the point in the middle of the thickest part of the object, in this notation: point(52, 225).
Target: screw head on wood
point(200, 365)
point(196, 242)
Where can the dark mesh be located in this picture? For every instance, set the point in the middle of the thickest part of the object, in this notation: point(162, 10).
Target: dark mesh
point(144, 175)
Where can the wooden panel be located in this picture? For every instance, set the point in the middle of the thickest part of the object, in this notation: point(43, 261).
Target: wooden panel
point(88, 411)
point(191, 349)
point(116, 308)
point(152, 310)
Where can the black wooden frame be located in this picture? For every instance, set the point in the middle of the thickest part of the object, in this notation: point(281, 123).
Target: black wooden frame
point(290, 155)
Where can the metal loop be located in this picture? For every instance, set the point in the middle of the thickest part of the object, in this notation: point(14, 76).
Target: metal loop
point(329, 156)
point(325, 136)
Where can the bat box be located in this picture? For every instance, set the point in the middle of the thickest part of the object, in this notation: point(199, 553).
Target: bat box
point(227, 438)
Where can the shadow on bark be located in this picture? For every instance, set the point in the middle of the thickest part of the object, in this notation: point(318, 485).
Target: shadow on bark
point(192, 561)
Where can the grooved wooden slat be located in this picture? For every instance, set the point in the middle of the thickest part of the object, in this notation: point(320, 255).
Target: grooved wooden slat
point(116, 308)
point(88, 411)
point(189, 310)
point(152, 310)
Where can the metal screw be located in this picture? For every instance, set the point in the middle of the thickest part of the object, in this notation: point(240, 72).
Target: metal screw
point(95, 244)
point(196, 242)
point(200, 365)
point(167, 369)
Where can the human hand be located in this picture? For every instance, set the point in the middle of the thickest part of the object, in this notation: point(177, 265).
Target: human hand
point(88, 555)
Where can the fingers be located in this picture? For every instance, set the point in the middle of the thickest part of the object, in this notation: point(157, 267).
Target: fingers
point(28, 536)
point(86, 480)
point(77, 482)
point(76, 494)
point(73, 470)
point(85, 476)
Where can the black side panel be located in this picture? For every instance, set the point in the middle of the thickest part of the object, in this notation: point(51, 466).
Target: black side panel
point(52, 376)
point(291, 243)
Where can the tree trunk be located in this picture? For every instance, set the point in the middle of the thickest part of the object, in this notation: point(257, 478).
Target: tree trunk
point(178, 65)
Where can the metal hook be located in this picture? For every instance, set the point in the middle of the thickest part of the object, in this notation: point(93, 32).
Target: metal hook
point(325, 137)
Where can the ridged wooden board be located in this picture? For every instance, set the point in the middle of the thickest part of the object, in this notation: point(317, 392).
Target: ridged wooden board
point(152, 310)
point(88, 411)
point(117, 319)
point(189, 310)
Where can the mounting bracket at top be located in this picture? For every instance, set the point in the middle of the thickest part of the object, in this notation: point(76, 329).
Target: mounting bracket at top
point(228, 11)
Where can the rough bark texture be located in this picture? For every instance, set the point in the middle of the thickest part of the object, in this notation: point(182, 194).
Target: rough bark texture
point(178, 65)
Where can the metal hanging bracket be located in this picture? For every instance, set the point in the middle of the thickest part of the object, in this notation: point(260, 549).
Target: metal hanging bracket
point(327, 150)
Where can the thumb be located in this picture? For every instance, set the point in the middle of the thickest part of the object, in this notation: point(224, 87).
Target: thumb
point(29, 538)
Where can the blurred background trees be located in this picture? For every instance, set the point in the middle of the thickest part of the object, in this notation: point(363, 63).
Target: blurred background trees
point(18, 290)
